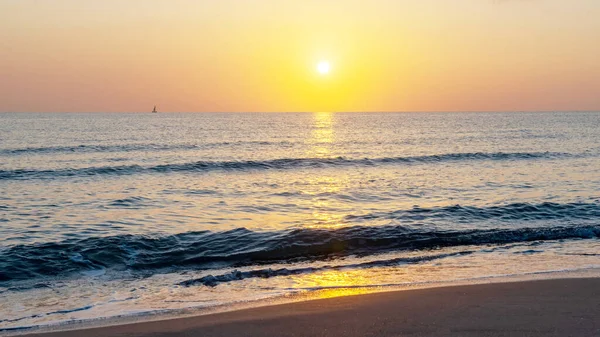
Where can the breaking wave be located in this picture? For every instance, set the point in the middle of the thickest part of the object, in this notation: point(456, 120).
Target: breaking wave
point(242, 247)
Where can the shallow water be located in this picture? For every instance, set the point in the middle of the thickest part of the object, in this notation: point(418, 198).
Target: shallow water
point(110, 214)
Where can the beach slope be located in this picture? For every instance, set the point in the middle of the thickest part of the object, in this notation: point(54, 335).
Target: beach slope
point(566, 307)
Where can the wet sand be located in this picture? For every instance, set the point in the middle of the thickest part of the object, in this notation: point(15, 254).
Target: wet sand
point(567, 307)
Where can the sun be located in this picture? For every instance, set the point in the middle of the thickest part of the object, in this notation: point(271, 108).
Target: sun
point(323, 67)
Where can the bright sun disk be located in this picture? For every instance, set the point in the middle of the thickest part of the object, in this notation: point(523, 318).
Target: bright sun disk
point(323, 67)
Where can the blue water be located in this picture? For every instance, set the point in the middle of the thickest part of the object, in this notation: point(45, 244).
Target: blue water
point(114, 214)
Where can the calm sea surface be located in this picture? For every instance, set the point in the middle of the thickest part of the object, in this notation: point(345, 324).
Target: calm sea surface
point(118, 214)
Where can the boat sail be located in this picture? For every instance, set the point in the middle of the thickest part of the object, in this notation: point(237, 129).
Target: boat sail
point(154, 110)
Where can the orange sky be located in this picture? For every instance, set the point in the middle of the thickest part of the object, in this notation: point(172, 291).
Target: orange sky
point(261, 55)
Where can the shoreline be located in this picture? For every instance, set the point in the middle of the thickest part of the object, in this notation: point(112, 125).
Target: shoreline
point(257, 309)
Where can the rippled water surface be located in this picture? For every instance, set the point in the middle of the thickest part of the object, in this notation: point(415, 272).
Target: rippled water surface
point(111, 214)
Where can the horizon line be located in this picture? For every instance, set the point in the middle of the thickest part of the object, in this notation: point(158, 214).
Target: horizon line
point(323, 111)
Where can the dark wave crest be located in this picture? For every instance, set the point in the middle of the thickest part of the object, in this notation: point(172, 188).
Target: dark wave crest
point(275, 164)
point(94, 148)
point(237, 275)
point(149, 147)
point(515, 211)
point(242, 247)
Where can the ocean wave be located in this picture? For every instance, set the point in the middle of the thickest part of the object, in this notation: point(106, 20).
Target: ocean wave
point(275, 164)
point(236, 275)
point(515, 211)
point(241, 247)
point(130, 202)
point(57, 312)
point(95, 148)
point(151, 147)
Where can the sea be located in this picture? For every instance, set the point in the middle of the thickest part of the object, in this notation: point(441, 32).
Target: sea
point(117, 215)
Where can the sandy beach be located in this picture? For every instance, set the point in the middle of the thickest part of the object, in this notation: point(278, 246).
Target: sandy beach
point(566, 307)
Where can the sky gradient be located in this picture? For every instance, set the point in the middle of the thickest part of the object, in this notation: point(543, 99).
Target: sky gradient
point(261, 55)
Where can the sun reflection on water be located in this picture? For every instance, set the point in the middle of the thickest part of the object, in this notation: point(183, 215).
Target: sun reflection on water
point(339, 292)
point(336, 283)
point(323, 187)
point(327, 212)
point(322, 135)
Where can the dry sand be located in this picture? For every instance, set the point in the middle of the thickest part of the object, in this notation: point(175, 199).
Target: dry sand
point(569, 307)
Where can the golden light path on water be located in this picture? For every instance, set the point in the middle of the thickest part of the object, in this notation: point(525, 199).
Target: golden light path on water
point(322, 135)
point(334, 283)
point(323, 185)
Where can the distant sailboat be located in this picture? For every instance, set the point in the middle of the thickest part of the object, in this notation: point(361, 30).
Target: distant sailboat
point(154, 110)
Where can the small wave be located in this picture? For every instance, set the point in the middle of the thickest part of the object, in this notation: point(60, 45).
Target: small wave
point(130, 202)
point(510, 212)
point(242, 247)
point(96, 148)
point(93, 148)
point(275, 164)
point(237, 275)
point(58, 312)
